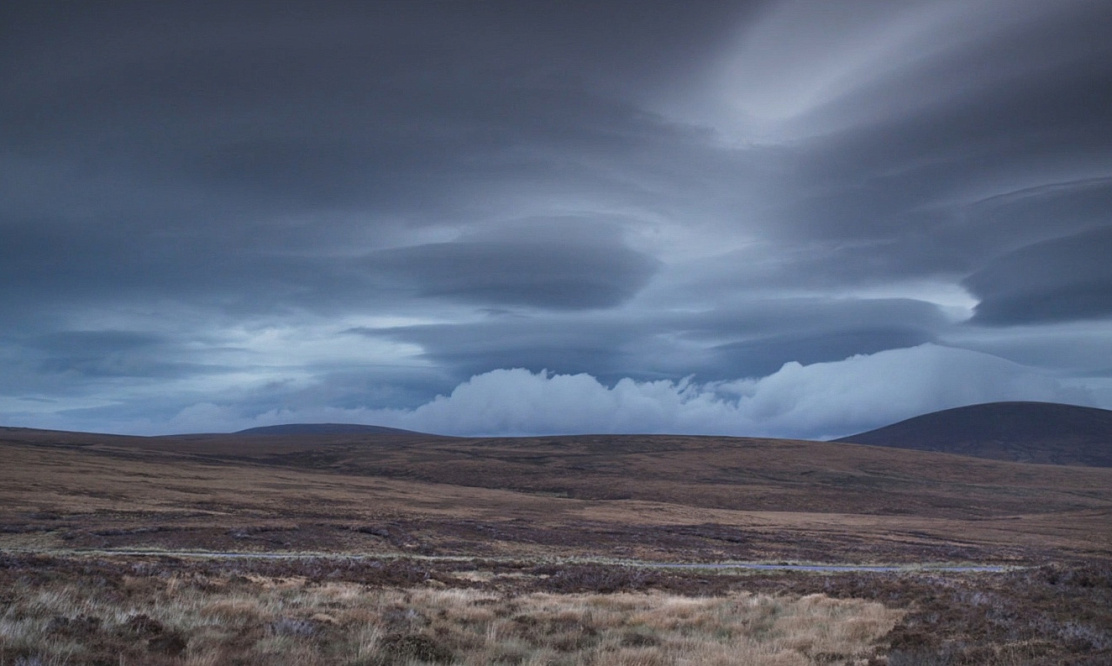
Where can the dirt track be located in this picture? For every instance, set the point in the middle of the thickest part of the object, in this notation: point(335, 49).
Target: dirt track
point(934, 567)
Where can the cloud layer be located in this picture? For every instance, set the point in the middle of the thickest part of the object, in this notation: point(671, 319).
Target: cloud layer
point(820, 400)
point(359, 207)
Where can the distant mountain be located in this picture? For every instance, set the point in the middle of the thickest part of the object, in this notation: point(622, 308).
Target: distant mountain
point(325, 429)
point(1036, 432)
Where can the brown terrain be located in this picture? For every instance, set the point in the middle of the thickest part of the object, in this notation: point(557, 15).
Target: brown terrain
point(376, 548)
point(638, 497)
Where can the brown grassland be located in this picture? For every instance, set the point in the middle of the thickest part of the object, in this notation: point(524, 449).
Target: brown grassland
point(514, 551)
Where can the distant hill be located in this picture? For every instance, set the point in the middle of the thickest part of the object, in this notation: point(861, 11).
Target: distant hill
point(650, 497)
point(1035, 432)
point(325, 429)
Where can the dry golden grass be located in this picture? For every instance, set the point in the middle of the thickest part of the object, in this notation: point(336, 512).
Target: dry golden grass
point(162, 610)
point(266, 621)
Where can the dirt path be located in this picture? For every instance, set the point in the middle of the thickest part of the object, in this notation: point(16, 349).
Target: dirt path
point(940, 567)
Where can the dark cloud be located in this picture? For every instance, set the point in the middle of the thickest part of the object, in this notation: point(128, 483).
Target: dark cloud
point(939, 162)
point(114, 262)
point(765, 356)
point(561, 343)
point(1064, 279)
point(211, 198)
point(96, 342)
point(555, 264)
point(107, 354)
point(747, 339)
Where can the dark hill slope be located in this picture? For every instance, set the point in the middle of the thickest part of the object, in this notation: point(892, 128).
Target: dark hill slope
point(1037, 432)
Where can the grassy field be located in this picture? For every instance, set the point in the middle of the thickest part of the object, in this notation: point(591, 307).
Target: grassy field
point(291, 620)
point(163, 611)
point(475, 538)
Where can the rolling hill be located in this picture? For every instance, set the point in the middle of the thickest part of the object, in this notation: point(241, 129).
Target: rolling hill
point(1034, 432)
point(660, 497)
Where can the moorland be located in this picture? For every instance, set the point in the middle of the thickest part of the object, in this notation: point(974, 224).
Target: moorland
point(408, 548)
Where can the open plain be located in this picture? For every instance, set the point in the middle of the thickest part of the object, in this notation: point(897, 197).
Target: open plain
point(308, 548)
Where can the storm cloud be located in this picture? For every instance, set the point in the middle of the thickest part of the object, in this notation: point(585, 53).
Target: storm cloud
point(545, 264)
point(1063, 279)
point(216, 215)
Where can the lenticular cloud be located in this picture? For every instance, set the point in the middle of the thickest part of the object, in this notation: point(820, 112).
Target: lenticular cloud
point(813, 401)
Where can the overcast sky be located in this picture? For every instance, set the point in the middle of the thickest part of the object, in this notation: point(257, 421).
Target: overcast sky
point(784, 218)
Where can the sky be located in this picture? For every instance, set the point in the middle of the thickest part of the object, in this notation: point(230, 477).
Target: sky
point(783, 218)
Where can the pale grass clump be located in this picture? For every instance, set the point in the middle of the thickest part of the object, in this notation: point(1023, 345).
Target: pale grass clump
point(300, 623)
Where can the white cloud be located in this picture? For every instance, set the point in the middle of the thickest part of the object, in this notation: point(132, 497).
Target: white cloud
point(814, 401)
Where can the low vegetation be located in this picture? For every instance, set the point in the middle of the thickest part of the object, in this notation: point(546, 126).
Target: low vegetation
point(474, 551)
point(652, 498)
point(163, 611)
point(193, 618)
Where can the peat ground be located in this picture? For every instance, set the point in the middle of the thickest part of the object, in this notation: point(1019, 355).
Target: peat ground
point(505, 516)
